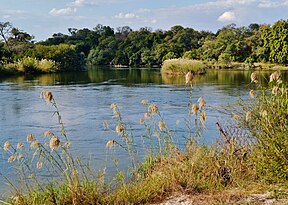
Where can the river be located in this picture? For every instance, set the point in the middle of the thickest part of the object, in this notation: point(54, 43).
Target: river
point(84, 100)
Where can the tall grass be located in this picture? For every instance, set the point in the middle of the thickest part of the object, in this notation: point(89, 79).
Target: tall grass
point(182, 66)
point(255, 148)
point(31, 65)
point(265, 116)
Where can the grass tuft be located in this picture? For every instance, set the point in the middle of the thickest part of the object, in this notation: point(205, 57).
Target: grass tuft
point(182, 66)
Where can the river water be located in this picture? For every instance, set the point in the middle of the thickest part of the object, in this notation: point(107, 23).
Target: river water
point(84, 100)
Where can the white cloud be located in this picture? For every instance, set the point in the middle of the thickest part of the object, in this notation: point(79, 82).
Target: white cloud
point(63, 12)
point(268, 4)
point(79, 3)
point(142, 10)
point(126, 16)
point(83, 3)
point(154, 21)
point(227, 16)
point(272, 4)
point(6, 16)
point(15, 12)
point(12, 15)
point(245, 2)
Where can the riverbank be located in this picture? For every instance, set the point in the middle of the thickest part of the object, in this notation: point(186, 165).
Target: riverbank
point(245, 66)
point(171, 67)
point(195, 177)
point(182, 66)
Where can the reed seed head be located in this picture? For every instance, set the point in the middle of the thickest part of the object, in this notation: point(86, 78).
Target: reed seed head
point(6, 146)
point(279, 81)
point(252, 93)
point(248, 116)
point(254, 77)
point(202, 102)
point(119, 129)
point(35, 144)
point(195, 108)
point(110, 144)
point(48, 134)
point(203, 117)
point(276, 91)
point(54, 142)
point(144, 102)
point(11, 158)
point(275, 76)
point(20, 145)
point(46, 95)
point(30, 138)
point(161, 125)
point(141, 120)
point(189, 77)
point(153, 109)
point(113, 106)
point(116, 113)
point(146, 115)
point(39, 165)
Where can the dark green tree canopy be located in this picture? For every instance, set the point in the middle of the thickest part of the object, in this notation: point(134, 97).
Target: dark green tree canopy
point(145, 47)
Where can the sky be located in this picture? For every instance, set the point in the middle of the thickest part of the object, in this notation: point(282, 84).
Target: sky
point(43, 18)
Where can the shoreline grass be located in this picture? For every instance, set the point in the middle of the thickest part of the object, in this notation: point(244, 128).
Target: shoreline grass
point(182, 66)
point(246, 66)
point(29, 65)
point(244, 159)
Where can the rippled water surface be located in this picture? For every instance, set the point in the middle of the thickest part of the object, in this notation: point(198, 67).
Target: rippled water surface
point(84, 101)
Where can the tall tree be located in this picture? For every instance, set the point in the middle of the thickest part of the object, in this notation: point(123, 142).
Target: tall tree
point(5, 29)
point(279, 42)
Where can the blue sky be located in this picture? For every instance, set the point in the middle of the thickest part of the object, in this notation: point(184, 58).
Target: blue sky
point(42, 18)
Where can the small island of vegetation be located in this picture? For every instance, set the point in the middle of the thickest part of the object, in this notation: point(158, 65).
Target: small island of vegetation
point(182, 66)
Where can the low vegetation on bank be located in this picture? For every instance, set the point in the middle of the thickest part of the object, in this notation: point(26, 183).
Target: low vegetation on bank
point(182, 66)
point(250, 156)
point(45, 59)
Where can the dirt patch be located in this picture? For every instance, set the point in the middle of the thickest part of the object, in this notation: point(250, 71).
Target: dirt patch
point(224, 198)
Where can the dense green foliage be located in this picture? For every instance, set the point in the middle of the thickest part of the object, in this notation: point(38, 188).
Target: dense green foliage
point(19, 54)
point(103, 45)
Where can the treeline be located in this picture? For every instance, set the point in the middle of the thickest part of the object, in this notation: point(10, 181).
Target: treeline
point(103, 45)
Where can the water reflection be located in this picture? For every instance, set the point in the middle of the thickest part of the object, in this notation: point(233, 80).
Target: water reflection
point(135, 76)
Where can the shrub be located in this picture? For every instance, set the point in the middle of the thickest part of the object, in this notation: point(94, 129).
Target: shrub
point(182, 66)
point(47, 65)
point(265, 117)
point(32, 65)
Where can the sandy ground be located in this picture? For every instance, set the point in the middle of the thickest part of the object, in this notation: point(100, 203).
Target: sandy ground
point(258, 199)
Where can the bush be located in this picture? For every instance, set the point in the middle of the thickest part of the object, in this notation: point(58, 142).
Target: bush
point(182, 66)
point(265, 116)
point(65, 56)
point(31, 65)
